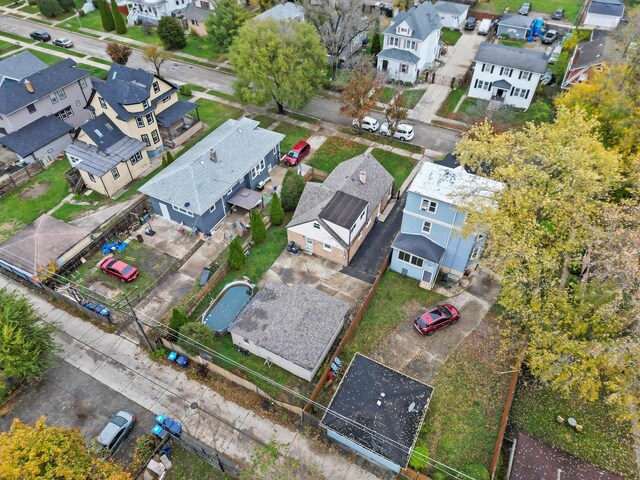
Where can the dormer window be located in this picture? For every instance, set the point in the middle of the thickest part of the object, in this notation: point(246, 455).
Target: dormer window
point(403, 31)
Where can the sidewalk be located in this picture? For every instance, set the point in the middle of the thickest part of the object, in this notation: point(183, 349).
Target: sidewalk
point(229, 428)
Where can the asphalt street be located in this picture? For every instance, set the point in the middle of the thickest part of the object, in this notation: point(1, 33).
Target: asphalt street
point(429, 136)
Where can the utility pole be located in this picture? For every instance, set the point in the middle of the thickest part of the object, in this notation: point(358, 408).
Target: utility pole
point(137, 324)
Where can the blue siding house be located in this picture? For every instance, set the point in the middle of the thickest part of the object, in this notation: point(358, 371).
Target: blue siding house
point(218, 173)
point(430, 239)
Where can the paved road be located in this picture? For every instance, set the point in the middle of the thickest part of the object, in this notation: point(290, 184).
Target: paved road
point(68, 397)
point(429, 136)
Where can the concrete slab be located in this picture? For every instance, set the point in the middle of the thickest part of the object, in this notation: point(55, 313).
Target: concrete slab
point(316, 141)
point(203, 257)
point(163, 297)
point(167, 238)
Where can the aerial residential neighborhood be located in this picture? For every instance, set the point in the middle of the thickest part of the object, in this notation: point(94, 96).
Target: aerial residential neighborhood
point(317, 239)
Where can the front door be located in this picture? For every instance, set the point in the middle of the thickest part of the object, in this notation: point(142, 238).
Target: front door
point(500, 93)
point(309, 245)
point(164, 211)
point(385, 65)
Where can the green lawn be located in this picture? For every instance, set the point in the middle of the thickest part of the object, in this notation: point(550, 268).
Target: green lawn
point(398, 166)
point(571, 7)
point(64, 51)
point(227, 96)
point(6, 47)
point(187, 466)
point(512, 43)
point(30, 8)
point(450, 103)
point(539, 112)
point(5, 3)
point(265, 120)
point(387, 94)
point(215, 114)
point(334, 151)
point(410, 147)
point(450, 37)
point(26, 203)
point(202, 48)
point(47, 58)
point(412, 97)
point(385, 312)
point(97, 72)
point(71, 211)
point(101, 60)
point(293, 134)
point(473, 107)
point(604, 441)
point(297, 116)
point(17, 37)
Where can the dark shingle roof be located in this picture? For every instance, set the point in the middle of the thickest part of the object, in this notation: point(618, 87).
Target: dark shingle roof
point(20, 66)
point(588, 54)
point(175, 112)
point(422, 19)
point(450, 7)
point(418, 245)
point(343, 209)
point(388, 429)
point(196, 13)
point(516, 20)
point(512, 57)
point(36, 135)
point(602, 8)
point(398, 54)
point(102, 131)
point(16, 96)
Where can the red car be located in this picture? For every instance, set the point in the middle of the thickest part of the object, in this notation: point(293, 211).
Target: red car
point(439, 317)
point(297, 153)
point(119, 269)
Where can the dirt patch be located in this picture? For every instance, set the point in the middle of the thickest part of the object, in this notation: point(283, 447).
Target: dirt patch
point(34, 191)
point(7, 229)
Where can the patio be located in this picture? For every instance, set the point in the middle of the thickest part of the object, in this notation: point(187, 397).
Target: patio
point(176, 123)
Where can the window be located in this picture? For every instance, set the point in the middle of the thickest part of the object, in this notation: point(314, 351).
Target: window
point(316, 225)
point(408, 258)
point(91, 177)
point(136, 158)
point(428, 205)
point(150, 119)
point(155, 136)
point(506, 71)
point(166, 99)
point(411, 45)
point(83, 82)
point(246, 340)
point(426, 227)
point(145, 104)
point(31, 108)
point(53, 98)
point(61, 94)
point(255, 171)
point(212, 208)
point(361, 215)
point(404, 68)
point(156, 87)
point(481, 84)
point(139, 122)
point(230, 191)
point(394, 42)
point(145, 139)
point(182, 210)
point(65, 113)
point(115, 173)
point(103, 104)
point(487, 68)
point(326, 247)
point(519, 92)
point(525, 76)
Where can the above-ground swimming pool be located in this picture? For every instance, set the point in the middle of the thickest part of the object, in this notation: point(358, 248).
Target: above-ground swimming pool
point(224, 309)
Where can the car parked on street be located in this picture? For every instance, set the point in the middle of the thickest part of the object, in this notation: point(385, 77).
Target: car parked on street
point(114, 433)
point(369, 124)
point(549, 37)
point(470, 23)
point(558, 14)
point(403, 131)
point(525, 8)
point(40, 35)
point(297, 153)
point(439, 317)
point(119, 269)
point(62, 42)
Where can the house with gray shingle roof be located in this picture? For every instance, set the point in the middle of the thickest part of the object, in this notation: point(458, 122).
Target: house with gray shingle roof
point(216, 175)
point(332, 219)
point(604, 14)
point(283, 12)
point(40, 105)
point(197, 13)
point(292, 326)
point(411, 43)
point(452, 14)
point(107, 159)
point(514, 26)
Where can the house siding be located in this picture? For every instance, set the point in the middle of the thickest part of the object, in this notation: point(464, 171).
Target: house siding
point(512, 31)
point(517, 83)
point(608, 22)
point(363, 451)
point(54, 149)
point(427, 50)
point(453, 20)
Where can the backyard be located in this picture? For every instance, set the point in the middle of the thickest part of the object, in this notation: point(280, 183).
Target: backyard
point(398, 166)
point(571, 7)
point(450, 37)
point(334, 151)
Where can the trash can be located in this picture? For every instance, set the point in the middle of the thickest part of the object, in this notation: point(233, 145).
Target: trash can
point(139, 238)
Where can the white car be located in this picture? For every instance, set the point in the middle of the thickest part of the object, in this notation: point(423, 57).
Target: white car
point(369, 124)
point(403, 132)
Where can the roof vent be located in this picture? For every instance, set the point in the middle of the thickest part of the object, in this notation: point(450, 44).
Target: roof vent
point(213, 155)
point(379, 403)
point(412, 408)
point(28, 86)
point(363, 177)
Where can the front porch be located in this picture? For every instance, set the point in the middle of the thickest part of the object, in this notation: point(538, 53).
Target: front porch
point(177, 123)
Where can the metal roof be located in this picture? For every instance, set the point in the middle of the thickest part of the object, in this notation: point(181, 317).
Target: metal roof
point(36, 135)
point(422, 19)
point(512, 57)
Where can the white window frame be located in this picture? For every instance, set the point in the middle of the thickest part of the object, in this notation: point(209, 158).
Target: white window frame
point(155, 136)
point(83, 82)
point(53, 98)
point(212, 209)
point(411, 259)
point(91, 177)
point(166, 99)
point(65, 113)
point(326, 247)
point(139, 122)
point(103, 104)
point(115, 173)
point(427, 205)
point(475, 252)
point(182, 210)
point(507, 72)
point(145, 104)
point(147, 141)
point(136, 158)
point(156, 87)
point(61, 94)
point(316, 225)
point(426, 227)
point(150, 119)
point(404, 68)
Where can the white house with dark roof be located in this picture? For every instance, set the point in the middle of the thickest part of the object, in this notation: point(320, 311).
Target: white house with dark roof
point(508, 74)
point(293, 327)
point(40, 106)
point(514, 26)
point(604, 14)
point(411, 43)
point(218, 173)
point(333, 218)
point(587, 59)
point(452, 14)
point(151, 11)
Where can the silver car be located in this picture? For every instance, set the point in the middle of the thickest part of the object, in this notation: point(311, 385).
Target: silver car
point(63, 42)
point(114, 433)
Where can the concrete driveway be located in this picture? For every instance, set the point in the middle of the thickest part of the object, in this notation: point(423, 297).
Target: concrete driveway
point(420, 356)
point(68, 397)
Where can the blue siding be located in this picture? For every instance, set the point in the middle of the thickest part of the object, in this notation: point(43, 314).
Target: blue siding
point(364, 452)
point(398, 265)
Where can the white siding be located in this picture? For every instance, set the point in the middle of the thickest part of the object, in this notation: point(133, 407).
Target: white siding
point(319, 234)
point(480, 79)
point(453, 20)
point(427, 51)
point(602, 21)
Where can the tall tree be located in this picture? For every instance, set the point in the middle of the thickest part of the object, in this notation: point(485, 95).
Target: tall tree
point(376, 42)
point(283, 62)
point(258, 229)
point(292, 188)
point(42, 451)
point(67, 5)
point(237, 257)
point(171, 33)
point(26, 344)
point(225, 23)
point(49, 8)
point(119, 53)
point(362, 93)
point(276, 212)
point(155, 55)
point(395, 112)
point(121, 26)
point(338, 22)
point(108, 24)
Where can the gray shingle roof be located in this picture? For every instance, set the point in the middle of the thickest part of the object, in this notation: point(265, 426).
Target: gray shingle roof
point(97, 161)
point(398, 54)
point(102, 131)
point(610, 9)
point(516, 20)
point(19, 66)
point(195, 179)
point(422, 19)
point(36, 135)
point(512, 57)
point(501, 84)
point(196, 13)
point(391, 430)
point(175, 112)
point(419, 245)
point(283, 12)
point(297, 323)
point(16, 96)
point(450, 7)
point(588, 54)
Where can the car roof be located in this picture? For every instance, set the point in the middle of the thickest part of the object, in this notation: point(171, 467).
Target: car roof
point(367, 118)
point(299, 145)
point(119, 265)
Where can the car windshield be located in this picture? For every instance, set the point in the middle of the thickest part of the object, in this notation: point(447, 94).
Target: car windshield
point(444, 312)
point(125, 271)
point(293, 154)
point(422, 323)
point(118, 420)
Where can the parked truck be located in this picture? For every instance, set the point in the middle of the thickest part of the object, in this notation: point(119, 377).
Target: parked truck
point(485, 26)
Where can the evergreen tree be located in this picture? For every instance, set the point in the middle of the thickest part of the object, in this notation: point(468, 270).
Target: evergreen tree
point(292, 187)
point(237, 257)
point(171, 33)
point(177, 320)
point(258, 230)
point(67, 5)
point(276, 212)
point(121, 26)
point(376, 44)
point(49, 8)
point(105, 15)
point(223, 26)
point(170, 158)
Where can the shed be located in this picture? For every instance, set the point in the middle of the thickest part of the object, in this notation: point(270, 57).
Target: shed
point(514, 26)
point(452, 15)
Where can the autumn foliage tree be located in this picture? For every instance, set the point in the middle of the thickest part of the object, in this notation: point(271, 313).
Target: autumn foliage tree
point(395, 112)
point(362, 93)
point(119, 53)
point(155, 55)
point(51, 452)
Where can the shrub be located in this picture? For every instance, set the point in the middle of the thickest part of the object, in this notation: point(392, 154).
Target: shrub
point(177, 320)
point(276, 212)
point(194, 34)
point(185, 90)
point(418, 458)
point(119, 53)
point(292, 187)
point(438, 476)
point(145, 26)
point(67, 5)
point(49, 8)
point(237, 257)
point(32, 2)
point(258, 230)
point(477, 471)
point(145, 446)
point(158, 354)
point(198, 332)
point(81, 13)
point(171, 33)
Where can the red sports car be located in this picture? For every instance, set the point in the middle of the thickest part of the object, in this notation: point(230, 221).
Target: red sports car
point(439, 317)
point(297, 153)
point(119, 269)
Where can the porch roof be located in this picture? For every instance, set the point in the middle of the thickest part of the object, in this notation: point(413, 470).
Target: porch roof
point(245, 198)
point(501, 84)
point(401, 55)
point(175, 112)
point(420, 246)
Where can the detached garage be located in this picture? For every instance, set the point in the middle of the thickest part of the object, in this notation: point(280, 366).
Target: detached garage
point(452, 15)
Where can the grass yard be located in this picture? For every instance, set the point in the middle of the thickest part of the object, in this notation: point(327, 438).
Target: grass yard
point(226, 96)
point(450, 103)
point(26, 203)
point(101, 60)
point(571, 7)
point(71, 211)
point(539, 112)
point(512, 43)
point(385, 312)
point(412, 97)
point(215, 114)
point(17, 37)
point(604, 441)
point(398, 166)
point(30, 8)
point(410, 147)
point(200, 47)
point(97, 72)
point(293, 134)
point(450, 37)
point(297, 116)
point(6, 47)
point(47, 58)
point(265, 120)
point(65, 51)
point(334, 151)
point(473, 107)
point(187, 466)
point(387, 94)
point(5, 3)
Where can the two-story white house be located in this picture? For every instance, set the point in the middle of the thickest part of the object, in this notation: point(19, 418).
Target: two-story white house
point(151, 11)
point(508, 74)
point(411, 43)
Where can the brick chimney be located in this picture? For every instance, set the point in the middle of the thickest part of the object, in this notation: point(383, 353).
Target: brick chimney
point(213, 155)
point(28, 86)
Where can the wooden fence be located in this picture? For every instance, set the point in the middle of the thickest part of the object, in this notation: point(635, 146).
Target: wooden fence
point(10, 181)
